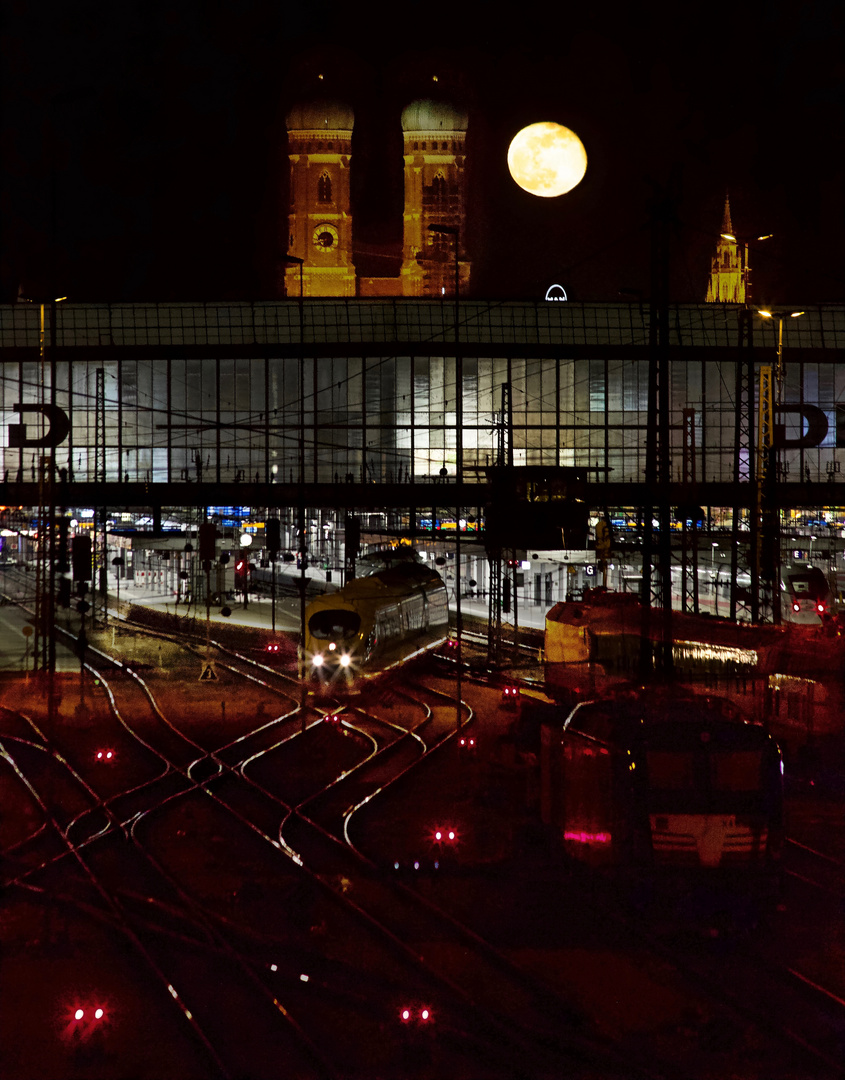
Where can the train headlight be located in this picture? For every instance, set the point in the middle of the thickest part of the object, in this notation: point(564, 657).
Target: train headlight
point(332, 647)
point(345, 660)
point(317, 659)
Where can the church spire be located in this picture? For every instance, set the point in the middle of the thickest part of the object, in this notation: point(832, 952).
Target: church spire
point(726, 217)
point(727, 284)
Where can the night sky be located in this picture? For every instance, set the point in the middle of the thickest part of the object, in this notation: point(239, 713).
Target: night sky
point(144, 146)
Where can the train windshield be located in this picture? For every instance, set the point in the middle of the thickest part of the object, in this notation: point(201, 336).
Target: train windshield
point(809, 583)
point(696, 781)
point(670, 770)
point(738, 771)
point(334, 625)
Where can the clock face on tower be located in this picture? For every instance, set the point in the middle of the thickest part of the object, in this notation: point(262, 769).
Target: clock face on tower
point(324, 238)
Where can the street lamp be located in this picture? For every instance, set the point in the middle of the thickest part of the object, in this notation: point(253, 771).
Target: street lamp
point(771, 467)
point(302, 579)
point(746, 268)
point(780, 316)
point(454, 232)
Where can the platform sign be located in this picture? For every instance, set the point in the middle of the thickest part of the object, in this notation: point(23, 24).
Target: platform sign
point(208, 673)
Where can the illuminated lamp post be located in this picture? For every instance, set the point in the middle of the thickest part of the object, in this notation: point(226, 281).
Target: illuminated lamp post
point(775, 458)
point(302, 579)
point(454, 232)
point(780, 316)
point(45, 592)
point(746, 268)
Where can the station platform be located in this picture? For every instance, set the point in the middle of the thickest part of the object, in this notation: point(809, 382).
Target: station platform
point(257, 611)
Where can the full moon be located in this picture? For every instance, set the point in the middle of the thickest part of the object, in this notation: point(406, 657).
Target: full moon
point(547, 159)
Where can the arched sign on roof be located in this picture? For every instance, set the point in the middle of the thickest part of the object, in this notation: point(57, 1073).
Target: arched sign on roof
point(555, 292)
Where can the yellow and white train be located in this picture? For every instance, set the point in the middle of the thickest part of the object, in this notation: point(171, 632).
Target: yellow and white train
point(376, 621)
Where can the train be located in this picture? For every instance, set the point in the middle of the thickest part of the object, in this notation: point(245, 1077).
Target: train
point(375, 622)
point(676, 785)
point(807, 599)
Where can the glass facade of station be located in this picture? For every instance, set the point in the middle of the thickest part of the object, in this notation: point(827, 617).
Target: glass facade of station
point(366, 389)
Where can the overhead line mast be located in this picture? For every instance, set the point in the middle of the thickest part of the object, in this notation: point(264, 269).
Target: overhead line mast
point(657, 579)
point(504, 458)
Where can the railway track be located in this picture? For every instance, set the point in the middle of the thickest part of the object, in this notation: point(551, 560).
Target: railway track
point(196, 771)
point(305, 829)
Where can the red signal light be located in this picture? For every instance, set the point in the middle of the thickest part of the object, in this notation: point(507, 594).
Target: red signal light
point(273, 647)
point(796, 606)
point(105, 755)
point(820, 609)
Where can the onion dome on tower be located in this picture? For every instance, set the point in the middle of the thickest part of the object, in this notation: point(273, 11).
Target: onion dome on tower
point(321, 116)
point(320, 220)
point(434, 135)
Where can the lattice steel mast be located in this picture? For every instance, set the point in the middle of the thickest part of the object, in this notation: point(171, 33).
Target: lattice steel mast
point(504, 457)
point(657, 578)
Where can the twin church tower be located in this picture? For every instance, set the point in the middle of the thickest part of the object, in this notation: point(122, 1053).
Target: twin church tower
point(320, 228)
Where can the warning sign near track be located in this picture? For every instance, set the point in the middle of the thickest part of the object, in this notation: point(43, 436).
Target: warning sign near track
point(208, 673)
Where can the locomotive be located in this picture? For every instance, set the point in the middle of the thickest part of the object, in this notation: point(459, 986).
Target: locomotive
point(670, 783)
point(376, 621)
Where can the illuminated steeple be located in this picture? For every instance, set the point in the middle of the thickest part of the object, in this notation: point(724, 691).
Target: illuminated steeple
point(726, 218)
point(435, 156)
point(320, 220)
point(727, 284)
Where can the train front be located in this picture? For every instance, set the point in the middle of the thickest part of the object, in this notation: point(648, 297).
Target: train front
point(714, 795)
point(807, 599)
point(333, 638)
